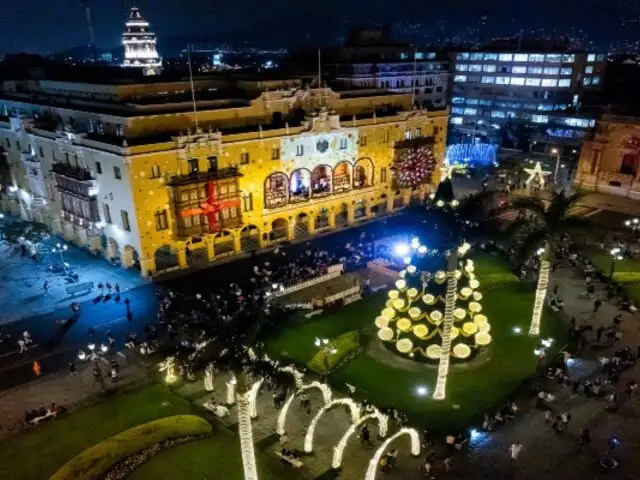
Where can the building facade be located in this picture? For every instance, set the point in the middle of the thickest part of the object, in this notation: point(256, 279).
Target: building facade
point(139, 44)
point(610, 159)
point(544, 91)
point(143, 186)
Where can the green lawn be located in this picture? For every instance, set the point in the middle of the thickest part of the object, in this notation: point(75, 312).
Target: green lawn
point(469, 392)
point(40, 452)
point(627, 270)
point(212, 458)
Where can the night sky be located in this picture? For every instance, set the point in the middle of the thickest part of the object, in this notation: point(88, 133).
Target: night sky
point(46, 26)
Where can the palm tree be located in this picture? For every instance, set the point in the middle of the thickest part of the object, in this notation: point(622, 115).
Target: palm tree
point(545, 225)
point(235, 347)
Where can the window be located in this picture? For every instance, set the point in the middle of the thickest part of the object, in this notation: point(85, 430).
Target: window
point(247, 202)
point(275, 154)
point(107, 213)
point(488, 79)
point(299, 150)
point(534, 70)
point(155, 171)
point(119, 130)
point(41, 152)
point(472, 101)
point(436, 130)
point(418, 55)
point(532, 82)
point(564, 82)
point(457, 110)
point(213, 163)
point(462, 56)
point(477, 56)
point(566, 71)
point(502, 80)
point(90, 127)
point(599, 57)
point(544, 107)
point(539, 118)
point(383, 174)
point(462, 67)
point(244, 158)
point(588, 69)
point(519, 69)
point(595, 81)
point(460, 78)
point(98, 168)
point(125, 220)
point(470, 111)
point(475, 68)
point(536, 57)
point(343, 143)
point(587, 81)
point(568, 58)
point(363, 140)
point(116, 173)
point(192, 165)
point(386, 137)
point(418, 132)
point(161, 220)
point(457, 100)
point(521, 57)
point(497, 114)
point(549, 82)
point(517, 80)
point(505, 57)
point(551, 71)
point(100, 128)
point(554, 58)
point(491, 56)
point(591, 57)
point(456, 121)
point(488, 68)
point(407, 134)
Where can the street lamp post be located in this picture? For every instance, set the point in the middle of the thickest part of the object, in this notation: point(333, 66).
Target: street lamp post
point(615, 255)
point(326, 348)
point(634, 225)
point(60, 248)
point(93, 353)
point(556, 152)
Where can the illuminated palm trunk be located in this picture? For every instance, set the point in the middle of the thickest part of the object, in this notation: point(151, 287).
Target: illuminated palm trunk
point(541, 292)
point(450, 302)
point(245, 428)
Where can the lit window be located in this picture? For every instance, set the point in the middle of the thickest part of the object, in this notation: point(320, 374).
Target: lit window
point(488, 79)
point(565, 82)
point(517, 80)
point(497, 114)
point(477, 56)
point(419, 55)
point(510, 114)
point(554, 58)
point(551, 71)
point(534, 70)
point(587, 80)
point(566, 71)
point(116, 173)
point(505, 57)
point(457, 100)
point(155, 171)
point(472, 101)
point(456, 120)
point(502, 80)
point(539, 118)
point(299, 150)
point(519, 70)
point(244, 158)
point(570, 58)
point(543, 107)
point(521, 57)
point(462, 67)
point(457, 110)
point(491, 56)
point(536, 57)
point(532, 82)
point(470, 111)
point(489, 68)
point(588, 69)
point(595, 81)
point(549, 82)
point(161, 220)
point(462, 56)
point(475, 68)
point(460, 78)
point(591, 57)
point(599, 57)
point(125, 220)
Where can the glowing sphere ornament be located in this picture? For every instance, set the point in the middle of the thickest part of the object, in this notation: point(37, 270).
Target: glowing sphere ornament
point(420, 330)
point(482, 339)
point(390, 313)
point(382, 322)
point(461, 350)
point(385, 334)
point(404, 345)
point(404, 324)
point(434, 351)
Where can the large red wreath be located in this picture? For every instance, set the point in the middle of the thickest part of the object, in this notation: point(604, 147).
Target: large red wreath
point(414, 168)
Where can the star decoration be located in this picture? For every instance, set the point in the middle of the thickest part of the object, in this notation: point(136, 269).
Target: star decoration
point(446, 170)
point(536, 173)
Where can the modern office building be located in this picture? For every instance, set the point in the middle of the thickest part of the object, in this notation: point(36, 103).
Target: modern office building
point(130, 172)
point(541, 89)
point(139, 44)
point(610, 158)
point(370, 59)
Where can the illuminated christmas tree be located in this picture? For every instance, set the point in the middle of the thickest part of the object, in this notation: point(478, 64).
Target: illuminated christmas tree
point(414, 168)
point(415, 315)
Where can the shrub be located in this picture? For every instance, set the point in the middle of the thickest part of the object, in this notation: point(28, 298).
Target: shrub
point(348, 346)
point(94, 462)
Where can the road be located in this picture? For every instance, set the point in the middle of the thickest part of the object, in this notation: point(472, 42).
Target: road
point(54, 347)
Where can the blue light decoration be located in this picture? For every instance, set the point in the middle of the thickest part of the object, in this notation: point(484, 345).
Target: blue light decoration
point(467, 154)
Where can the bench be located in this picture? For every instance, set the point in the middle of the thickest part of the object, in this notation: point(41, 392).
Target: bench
point(219, 411)
point(313, 313)
point(37, 420)
point(294, 462)
point(81, 287)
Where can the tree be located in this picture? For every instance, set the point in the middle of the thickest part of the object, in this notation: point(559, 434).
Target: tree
point(413, 168)
point(233, 346)
point(544, 227)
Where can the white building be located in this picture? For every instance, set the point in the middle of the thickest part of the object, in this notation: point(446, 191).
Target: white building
point(140, 45)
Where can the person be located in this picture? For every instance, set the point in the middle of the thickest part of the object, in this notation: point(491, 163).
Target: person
point(392, 456)
point(283, 440)
point(36, 368)
point(365, 436)
point(72, 369)
point(22, 345)
point(27, 337)
point(45, 287)
point(117, 287)
point(515, 449)
point(585, 436)
point(596, 304)
point(97, 374)
point(547, 416)
point(447, 463)
point(599, 331)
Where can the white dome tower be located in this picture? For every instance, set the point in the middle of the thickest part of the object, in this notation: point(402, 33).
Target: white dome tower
point(140, 45)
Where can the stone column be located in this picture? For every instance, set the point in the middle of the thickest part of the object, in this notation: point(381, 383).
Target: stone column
point(350, 215)
point(332, 219)
point(290, 229)
point(390, 202)
point(182, 257)
point(211, 254)
point(312, 224)
point(367, 210)
point(237, 244)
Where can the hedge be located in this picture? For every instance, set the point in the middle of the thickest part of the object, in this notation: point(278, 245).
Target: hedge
point(348, 346)
point(94, 462)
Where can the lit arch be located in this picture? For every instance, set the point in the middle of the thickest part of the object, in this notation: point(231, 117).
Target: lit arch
point(321, 180)
point(255, 389)
point(353, 407)
point(363, 173)
point(300, 185)
point(276, 190)
point(326, 398)
point(383, 426)
point(342, 175)
point(415, 450)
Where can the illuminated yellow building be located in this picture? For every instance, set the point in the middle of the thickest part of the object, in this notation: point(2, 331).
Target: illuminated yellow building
point(150, 188)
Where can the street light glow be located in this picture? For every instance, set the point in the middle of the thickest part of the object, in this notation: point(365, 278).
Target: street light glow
point(422, 390)
point(517, 330)
point(401, 249)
